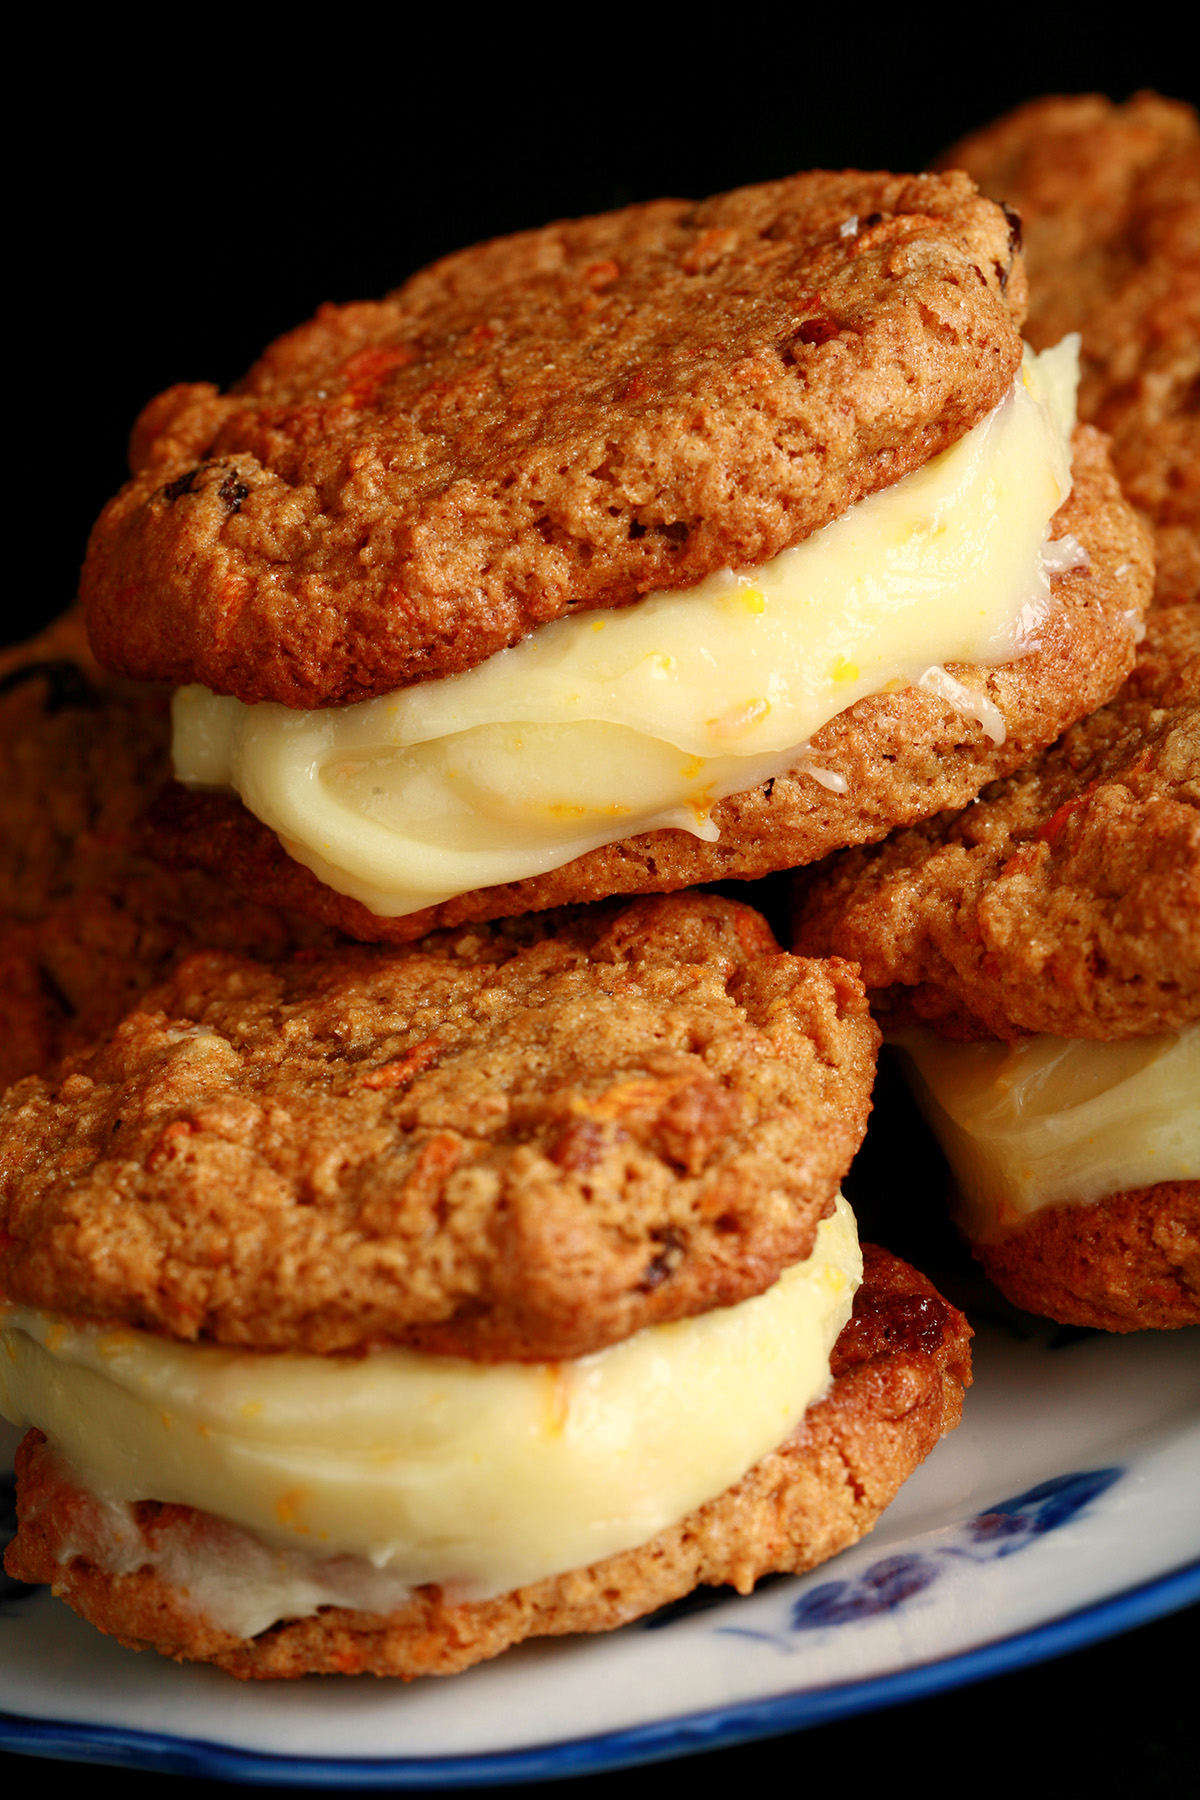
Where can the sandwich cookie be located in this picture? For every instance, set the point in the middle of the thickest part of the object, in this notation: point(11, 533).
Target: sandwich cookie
point(1109, 199)
point(683, 543)
point(88, 919)
point(1045, 944)
point(162, 1575)
point(374, 1311)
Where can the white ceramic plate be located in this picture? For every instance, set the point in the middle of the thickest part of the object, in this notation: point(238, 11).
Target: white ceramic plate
point(1062, 1510)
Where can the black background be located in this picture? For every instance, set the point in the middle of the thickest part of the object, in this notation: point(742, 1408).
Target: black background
point(190, 184)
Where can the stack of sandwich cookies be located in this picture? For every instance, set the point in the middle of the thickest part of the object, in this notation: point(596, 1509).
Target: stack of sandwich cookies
point(682, 543)
point(1055, 926)
point(376, 1309)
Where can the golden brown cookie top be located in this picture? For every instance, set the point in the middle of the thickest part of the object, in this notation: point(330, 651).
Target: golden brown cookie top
point(568, 418)
point(506, 1142)
point(1075, 164)
point(1109, 197)
point(1066, 899)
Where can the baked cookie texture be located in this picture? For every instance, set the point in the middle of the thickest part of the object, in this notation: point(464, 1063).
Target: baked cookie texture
point(899, 1370)
point(564, 419)
point(507, 1144)
point(1128, 1262)
point(1109, 198)
point(1065, 899)
point(903, 755)
point(88, 918)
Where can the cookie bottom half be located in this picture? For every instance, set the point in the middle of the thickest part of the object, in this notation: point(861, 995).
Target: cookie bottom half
point(899, 1370)
point(1128, 1262)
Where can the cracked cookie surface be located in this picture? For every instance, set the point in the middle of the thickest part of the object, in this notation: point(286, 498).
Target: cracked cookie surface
point(565, 419)
point(1066, 899)
point(504, 1143)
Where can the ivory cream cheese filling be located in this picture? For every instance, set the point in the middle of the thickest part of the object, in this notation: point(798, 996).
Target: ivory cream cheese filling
point(480, 1477)
point(1054, 1120)
point(611, 723)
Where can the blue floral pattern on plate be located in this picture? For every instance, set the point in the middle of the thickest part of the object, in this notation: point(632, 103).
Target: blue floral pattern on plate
point(1002, 1530)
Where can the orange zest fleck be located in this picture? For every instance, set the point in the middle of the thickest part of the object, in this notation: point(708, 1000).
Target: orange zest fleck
point(367, 369)
point(1052, 829)
point(601, 274)
point(169, 1141)
point(1021, 862)
point(405, 1068)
